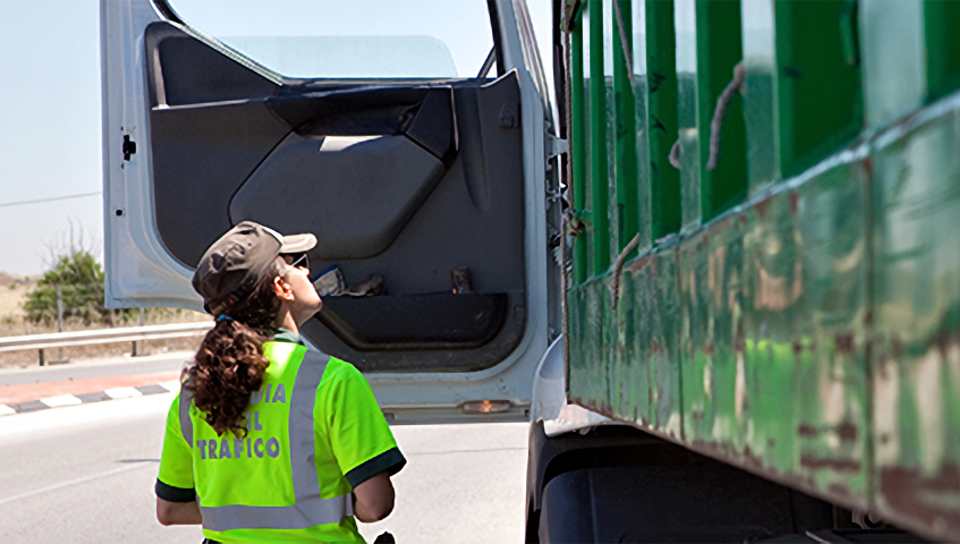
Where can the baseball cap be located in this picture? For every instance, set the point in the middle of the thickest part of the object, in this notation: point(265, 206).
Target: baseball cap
point(232, 266)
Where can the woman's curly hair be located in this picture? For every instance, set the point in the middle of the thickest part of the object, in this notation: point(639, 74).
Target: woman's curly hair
point(229, 365)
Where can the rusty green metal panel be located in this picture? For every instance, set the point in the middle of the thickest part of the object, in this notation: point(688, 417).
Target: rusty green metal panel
point(941, 47)
point(813, 334)
point(916, 339)
point(631, 381)
point(591, 357)
point(712, 362)
point(661, 119)
point(747, 340)
point(624, 361)
point(719, 49)
point(649, 319)
point(819, 97)
point(773, 311)
point(664, 318)
point(832, 423)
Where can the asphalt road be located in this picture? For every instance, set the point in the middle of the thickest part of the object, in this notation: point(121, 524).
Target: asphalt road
point(86, 474)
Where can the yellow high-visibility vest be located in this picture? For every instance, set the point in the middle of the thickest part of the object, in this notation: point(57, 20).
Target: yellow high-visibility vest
point(314, 432)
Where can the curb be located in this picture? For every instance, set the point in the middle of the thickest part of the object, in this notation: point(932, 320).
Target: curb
point(115, 393)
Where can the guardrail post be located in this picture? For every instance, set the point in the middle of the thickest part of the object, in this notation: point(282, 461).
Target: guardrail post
point(142, 351)
point(41, 356)
point(59, 321)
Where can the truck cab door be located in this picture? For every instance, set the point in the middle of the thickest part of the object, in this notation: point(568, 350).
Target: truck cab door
point(402, 167)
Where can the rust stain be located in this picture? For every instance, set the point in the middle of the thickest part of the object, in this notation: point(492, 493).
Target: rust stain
point(739, 343)
point(806, 431)
point(839, 489)
point(639, 264)
point(907, 495)
point(902, 481)
point(794, 202)
point(848, 432)
point(752, 460)
point(844, 343)
point(762, 206)
point(721, 225)
point(708, 350)
point(812, 462)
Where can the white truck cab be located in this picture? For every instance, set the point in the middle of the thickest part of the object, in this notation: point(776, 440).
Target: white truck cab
point(408, 153)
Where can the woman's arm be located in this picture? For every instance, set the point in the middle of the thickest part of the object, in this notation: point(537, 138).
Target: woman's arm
point(374, 499)
point(178, 513)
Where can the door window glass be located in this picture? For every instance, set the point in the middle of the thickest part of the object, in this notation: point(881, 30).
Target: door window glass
point(351, 39)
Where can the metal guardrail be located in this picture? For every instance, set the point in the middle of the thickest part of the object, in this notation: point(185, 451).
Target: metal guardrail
point(102, 336)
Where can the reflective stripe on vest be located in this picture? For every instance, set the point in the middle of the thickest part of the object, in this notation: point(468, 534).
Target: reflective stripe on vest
point(186, 424)
point(306, 513)
point(309, 509)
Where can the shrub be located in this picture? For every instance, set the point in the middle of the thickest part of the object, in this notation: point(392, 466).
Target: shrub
point(80, 278)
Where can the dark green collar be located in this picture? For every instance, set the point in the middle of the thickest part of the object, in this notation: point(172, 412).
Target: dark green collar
point(283, 335)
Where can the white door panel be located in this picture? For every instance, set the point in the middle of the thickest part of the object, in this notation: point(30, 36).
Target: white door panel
point(142, 270)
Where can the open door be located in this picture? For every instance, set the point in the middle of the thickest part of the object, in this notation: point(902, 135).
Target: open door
point(409, 170)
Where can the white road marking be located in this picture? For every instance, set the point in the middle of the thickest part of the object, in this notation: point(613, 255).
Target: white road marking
point(88, 416)
point(172, 386)
point(61, 400)
point(122, 393)
point(6, 410)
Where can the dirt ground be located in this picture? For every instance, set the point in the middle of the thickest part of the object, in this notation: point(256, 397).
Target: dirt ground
point(13, 293)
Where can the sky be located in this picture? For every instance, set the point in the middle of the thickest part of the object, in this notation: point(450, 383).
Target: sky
point(50, 125)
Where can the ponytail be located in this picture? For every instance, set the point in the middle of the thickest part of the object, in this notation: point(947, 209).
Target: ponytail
point(229, 365)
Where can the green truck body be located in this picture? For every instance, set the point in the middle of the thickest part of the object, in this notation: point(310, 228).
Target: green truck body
point(794, 311)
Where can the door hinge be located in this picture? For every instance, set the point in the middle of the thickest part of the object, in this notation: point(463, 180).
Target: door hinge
point(555, 146)
point(129, 147)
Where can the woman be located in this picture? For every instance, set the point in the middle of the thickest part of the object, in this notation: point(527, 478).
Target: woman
point(268, 441)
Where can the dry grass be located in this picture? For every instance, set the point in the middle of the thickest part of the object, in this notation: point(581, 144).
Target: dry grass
point(13, 293)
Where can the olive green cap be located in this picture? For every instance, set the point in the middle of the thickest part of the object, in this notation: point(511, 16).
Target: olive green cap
point(232, 266)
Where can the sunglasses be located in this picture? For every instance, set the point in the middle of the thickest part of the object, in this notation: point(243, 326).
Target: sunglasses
point(297, 260)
